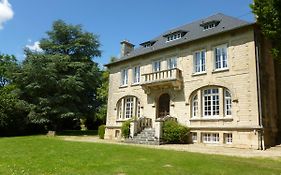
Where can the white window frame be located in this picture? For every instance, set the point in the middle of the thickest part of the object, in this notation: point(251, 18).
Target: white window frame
point(156, 66)
point(128, 107)
point(194, 137)
point(210, 137)
point(228, 138)
point(173, 37)
point(172, 63)
point(227, 103)
point(136, 75)
point(214, 98)
point(221, 57)
point(124, 77)
point(199, 65)
point(195, 106)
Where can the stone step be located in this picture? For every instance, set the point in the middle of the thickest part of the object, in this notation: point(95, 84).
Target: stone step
point(147, 136)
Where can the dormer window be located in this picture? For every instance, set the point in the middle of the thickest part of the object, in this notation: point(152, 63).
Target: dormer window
point(209, 25)
point(147, 44)
point(174, 35)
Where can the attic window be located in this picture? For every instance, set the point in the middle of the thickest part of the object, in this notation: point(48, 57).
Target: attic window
point(147, 44)
point(175, 35)
point(209, 25)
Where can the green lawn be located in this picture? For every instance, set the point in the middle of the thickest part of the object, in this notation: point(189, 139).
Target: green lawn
point(40, 155)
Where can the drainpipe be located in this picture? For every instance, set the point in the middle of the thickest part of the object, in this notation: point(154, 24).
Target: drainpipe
point(257, 50)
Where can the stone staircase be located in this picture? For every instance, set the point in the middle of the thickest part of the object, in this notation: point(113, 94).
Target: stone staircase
point(146, 136)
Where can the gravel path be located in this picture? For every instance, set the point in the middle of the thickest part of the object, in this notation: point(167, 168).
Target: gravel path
point(274, 152)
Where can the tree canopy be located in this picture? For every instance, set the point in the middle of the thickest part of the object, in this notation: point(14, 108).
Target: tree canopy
point(268, 13)
point(60, 83)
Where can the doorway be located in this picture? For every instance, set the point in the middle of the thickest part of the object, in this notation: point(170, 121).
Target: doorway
point(163, 106)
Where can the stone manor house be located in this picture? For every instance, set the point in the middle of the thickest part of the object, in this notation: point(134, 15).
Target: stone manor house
point(214, 75)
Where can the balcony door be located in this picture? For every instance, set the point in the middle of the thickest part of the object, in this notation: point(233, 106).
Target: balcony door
point(163, 106)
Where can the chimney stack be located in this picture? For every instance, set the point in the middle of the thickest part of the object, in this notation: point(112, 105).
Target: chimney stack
point(126, 47)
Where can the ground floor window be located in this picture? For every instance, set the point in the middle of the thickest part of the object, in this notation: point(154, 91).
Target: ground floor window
point(128, 107)
point(210, 137)
point(211, 103)
point(194, 137)
point(228, 138)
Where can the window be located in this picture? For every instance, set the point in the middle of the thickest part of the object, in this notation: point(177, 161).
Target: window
point(136, 74)
point(194, 137)
point(227, 102)
point(156, 66)
point(172, 63)
point(173, 37)
point(195, 106)
point(209, 24)
point(128, 107)
point(228, 138)
point(206, 101)
point(124, 77)
point(199, 61)
point(211, 102)
point(221, 57)
point(210, 137)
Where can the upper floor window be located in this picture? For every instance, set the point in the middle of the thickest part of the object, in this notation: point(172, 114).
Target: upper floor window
point(128, 107)
point(174, 37)
point(172, 63)
point(156, 66)
point(124, 77)
point(136, 74)
point(221, 61)
point(209, 24)
point(199, 61)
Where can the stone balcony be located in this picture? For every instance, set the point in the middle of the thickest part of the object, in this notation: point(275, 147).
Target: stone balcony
point(171, 78)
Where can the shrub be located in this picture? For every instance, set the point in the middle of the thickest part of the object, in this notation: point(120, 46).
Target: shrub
point(173, 132)
point(125, 129)
point(101, 131)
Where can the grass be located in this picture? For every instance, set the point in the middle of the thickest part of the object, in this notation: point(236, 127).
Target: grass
point(77, 132)
point(41, 155)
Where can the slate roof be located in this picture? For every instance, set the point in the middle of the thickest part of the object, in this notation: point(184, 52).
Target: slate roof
point(194, 31)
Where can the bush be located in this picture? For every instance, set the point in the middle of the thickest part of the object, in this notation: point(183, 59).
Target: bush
point(101, 131)
point(173, 132)
point(125, 129)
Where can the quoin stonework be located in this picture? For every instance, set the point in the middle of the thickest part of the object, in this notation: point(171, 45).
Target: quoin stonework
point(214, 75)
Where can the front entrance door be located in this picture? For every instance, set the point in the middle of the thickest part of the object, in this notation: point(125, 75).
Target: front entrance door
point(163, 106)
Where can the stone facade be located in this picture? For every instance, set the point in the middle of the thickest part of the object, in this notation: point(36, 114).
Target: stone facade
point(248, 76)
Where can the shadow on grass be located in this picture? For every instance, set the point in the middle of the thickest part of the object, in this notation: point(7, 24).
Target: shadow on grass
point(77, 133)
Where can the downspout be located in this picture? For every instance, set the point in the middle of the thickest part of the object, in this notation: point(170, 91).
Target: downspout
point(257, 50)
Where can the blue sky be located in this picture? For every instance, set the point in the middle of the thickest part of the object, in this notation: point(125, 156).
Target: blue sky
point(26, 21)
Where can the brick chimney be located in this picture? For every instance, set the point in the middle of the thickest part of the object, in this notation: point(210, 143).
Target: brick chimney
point(126, 47)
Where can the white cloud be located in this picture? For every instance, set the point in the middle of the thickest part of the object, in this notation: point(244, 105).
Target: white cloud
point(35, 47)
point(6, 12)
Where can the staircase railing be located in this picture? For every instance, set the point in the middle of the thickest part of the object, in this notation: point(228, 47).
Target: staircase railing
point(136, 126)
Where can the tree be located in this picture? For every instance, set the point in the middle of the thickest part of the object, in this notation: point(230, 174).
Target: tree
point(60, 83)
point(268, 13)
point(8, 65)
point(12, 111)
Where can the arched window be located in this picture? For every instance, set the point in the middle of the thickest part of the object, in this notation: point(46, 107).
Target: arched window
point(195, 106)
point(227, 102)
point(215, 102)
point(128, 107)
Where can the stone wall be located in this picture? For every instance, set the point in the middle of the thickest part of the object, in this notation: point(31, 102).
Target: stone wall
point(240, 79)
